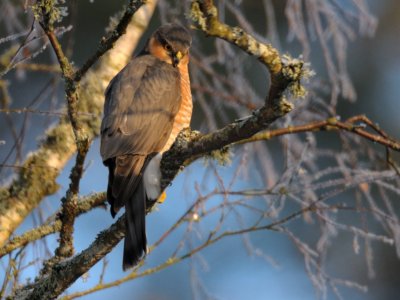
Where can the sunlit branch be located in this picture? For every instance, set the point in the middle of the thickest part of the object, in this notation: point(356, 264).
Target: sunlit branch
point(332, 124)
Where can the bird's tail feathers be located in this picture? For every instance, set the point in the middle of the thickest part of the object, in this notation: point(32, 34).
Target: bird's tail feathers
point(124, 172)
point(135, 243)
point(126, 188)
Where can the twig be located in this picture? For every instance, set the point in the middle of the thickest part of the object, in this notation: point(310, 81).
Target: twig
point(39, 67)
point(69, 202)
point(173, 261)
point(331, 124)
point(108, 43)
point(42, 112)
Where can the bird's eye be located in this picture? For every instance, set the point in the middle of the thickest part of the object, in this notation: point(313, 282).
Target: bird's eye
point(167, 47)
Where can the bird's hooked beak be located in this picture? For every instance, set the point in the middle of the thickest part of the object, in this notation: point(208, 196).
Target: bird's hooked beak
point(176, 58)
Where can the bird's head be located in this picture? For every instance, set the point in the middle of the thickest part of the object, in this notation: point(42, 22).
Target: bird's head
point(170, 43)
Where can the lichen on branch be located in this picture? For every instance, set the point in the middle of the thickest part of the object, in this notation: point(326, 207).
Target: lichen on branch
point(286, 72)
point(49, 12)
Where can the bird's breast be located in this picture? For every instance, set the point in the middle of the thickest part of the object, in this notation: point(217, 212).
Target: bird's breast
point(184, 115)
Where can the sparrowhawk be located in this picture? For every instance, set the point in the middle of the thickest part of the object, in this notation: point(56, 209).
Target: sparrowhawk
point(146, 105)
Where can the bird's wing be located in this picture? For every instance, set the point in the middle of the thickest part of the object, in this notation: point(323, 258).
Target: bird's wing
point(141, 104)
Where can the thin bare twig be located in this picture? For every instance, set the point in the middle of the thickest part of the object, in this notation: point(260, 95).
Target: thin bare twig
point(331, 124)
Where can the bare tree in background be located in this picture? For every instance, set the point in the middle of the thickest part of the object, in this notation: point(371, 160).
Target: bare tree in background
point(273, 135)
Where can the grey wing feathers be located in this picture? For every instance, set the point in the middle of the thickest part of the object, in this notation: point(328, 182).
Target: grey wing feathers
point(140, 107)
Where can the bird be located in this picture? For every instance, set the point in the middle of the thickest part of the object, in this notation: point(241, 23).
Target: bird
point(146, 105)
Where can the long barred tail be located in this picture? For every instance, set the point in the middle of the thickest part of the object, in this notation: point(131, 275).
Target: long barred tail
point(135, 243)
point(126, 188)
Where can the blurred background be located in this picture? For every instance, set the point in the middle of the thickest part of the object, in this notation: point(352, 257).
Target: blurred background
point(259, 265)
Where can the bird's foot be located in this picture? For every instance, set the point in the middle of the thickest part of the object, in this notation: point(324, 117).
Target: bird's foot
point(162, 197)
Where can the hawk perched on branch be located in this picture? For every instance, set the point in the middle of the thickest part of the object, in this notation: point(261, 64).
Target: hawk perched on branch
point(146, 105)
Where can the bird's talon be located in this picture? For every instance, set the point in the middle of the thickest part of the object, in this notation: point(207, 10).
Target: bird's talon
point(162, 197)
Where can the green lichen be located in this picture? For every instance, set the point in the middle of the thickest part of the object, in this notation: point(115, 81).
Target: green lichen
point(6, 57)
point(4, 196)
point(282, 106)
point(4, 193)
point(90, 110)
point(87, 203)
point(197, 16)
point(59, 135)
point(49, 12)
point(332, 121)
point(222, 156)
point(283, 191)
point(39, 177)
point(295, 70)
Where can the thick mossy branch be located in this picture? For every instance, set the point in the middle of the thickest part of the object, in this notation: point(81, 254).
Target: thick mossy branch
point(284, 71)
point(84, 205)
point(205, 15)
point(63, 274)
point(172, 163)
point(36, 178)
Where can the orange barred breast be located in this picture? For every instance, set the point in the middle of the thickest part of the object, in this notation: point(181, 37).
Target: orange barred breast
point(184, 115)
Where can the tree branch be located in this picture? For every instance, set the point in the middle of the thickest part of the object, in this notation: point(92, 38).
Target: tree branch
point(84, 205)
point(63, 274)
point(109, 42)
point(332, 124)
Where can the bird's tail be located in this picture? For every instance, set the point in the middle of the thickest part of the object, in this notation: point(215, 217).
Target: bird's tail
point(125, 188)
point(135, 243)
